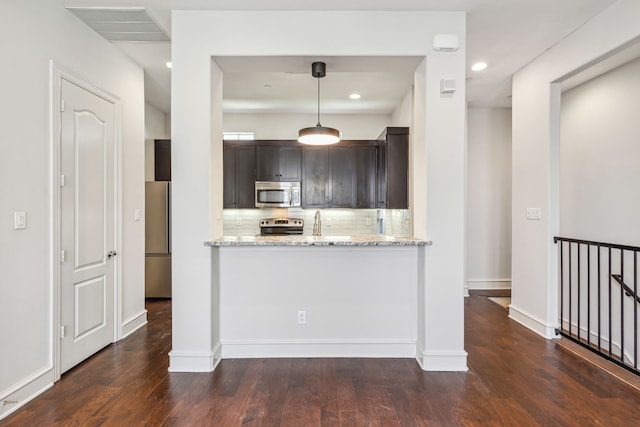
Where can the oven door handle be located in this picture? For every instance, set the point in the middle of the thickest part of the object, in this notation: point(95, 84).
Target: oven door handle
point(291, 195)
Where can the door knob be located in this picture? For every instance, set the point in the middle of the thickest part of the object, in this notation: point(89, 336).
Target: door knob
point(111, 254)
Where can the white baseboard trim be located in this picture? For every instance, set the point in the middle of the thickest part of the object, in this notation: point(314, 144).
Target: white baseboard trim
point(317, 348)
point(441, 361)
point(604, 341)
point(134, 323)
point(193, 361)
point(25, 391)
point(531, 322)
point(488, 284)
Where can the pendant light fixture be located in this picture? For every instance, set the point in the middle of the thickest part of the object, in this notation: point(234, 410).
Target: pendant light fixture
point(318, 135)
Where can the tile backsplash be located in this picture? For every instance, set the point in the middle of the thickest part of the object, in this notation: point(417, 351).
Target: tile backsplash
point(335, 222)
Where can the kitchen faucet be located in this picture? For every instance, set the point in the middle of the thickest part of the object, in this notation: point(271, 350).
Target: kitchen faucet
point(317, 224)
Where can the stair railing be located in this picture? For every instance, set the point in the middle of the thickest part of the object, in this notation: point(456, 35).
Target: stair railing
point(599, 299)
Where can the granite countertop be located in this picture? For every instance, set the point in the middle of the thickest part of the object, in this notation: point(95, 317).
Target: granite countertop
point(373, 240)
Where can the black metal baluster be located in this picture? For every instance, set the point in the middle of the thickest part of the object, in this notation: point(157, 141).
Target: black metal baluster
point(570, 285)
point(599, 302)
point(561, 285)
point(622, 307)
point(578, 293)
point(635, 309)
point(610, 338)
point(589, 294)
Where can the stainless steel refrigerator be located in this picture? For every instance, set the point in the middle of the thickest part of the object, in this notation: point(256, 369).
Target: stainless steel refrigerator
point(158, 239)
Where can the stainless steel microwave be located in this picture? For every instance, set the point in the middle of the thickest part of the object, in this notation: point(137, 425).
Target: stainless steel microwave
point(270, 194)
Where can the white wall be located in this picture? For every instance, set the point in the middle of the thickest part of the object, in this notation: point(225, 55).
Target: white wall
point(535, 160)
point(403, 113)
point(286, 126)
point(197, 168)
point(154, 128)
point(600, 158)
point(489, 198)
point(34, 33)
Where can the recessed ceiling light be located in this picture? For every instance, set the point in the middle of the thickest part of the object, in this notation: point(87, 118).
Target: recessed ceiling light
point(168, 64)
point(355, 96)
point(479, 66)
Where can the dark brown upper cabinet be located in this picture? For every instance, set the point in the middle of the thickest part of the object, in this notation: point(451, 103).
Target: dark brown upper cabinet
point(393, 165)
point(162, 159)
point(352, 174)
point(239, 176)
point(353, 177)
point(278, 163)
point(342, 176)
point(315, 177)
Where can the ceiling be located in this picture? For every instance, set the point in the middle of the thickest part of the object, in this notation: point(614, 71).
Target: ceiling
point(506, 34)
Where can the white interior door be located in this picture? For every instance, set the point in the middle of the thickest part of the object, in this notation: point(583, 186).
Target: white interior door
point(87, 224)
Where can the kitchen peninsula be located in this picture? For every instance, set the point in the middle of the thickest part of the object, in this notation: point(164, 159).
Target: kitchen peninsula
point(317, 296)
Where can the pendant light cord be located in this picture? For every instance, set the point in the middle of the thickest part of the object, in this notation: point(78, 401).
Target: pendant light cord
point(318, 102)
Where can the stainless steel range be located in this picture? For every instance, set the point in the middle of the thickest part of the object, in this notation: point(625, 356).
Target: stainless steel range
point(281, 226)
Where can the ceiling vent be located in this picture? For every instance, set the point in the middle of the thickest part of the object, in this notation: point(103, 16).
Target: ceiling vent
point(121, 24)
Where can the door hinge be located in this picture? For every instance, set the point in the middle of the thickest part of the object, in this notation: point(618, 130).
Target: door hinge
point(62, 256)
point(61, 180)
point(62, 332)
point(62, 105)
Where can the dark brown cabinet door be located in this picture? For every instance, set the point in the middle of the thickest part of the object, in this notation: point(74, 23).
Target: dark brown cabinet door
point(229, 177)
point(343, 183)
point(239, 169)
point(353, 177)
point(245, 177)
point(315, 177)
point(162, 159)
point(393, 165)
point(267, 163)
point(277, 163)
point(290, 164)
point(365, 167)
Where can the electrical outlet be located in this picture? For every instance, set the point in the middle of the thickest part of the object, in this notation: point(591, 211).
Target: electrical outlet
point(327, 222)
point(367, 221)
point(238, 221)
point(302, 317)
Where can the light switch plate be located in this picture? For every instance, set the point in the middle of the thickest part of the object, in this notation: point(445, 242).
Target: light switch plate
point(19, 220)
point(136, 214)
point(534, 213)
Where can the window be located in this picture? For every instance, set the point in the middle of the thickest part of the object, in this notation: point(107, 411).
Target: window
point(238, 136)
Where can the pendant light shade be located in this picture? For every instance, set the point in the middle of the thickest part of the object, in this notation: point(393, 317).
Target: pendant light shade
point(318, 135)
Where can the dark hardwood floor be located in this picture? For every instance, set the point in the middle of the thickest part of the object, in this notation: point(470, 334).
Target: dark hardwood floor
point(515, 378)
